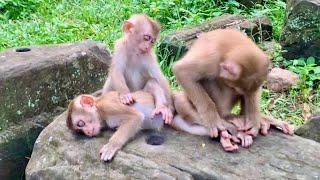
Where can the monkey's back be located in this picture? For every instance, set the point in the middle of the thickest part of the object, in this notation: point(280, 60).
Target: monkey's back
point(230, 44)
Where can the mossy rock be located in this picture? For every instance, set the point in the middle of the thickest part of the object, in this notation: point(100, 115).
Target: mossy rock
point(48, 76)
point(301, 29)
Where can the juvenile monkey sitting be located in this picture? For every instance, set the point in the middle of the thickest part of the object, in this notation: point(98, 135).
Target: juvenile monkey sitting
point(88, 115)
point(135, 68)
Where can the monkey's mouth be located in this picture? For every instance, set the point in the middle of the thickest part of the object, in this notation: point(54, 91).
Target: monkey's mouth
point(142, 51)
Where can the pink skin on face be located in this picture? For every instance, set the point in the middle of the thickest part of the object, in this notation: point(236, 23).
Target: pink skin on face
point(89, 129)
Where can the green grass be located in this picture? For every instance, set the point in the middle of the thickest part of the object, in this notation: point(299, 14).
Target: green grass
point(32, 22)
point(56, 21)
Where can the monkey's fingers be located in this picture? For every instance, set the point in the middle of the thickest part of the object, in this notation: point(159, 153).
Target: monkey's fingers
point(265, 126)
point(246, 140)
point(235, 139)
point(253, 131)
point(227, 145)
point(169, 117)
point(157, 111)
point(286, 128)
point(214, 132)
point(282, 125)
point(127, 99)
point(107, 152)
point(225, 134)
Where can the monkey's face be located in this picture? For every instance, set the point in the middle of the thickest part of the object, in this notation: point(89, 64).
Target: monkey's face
point(83, 116)
point(86, 122)
point(146, 43)
point(143, 37)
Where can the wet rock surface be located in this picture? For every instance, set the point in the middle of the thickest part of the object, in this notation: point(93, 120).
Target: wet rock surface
point(60, 154)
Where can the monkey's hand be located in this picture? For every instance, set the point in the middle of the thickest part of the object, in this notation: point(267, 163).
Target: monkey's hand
point(228, 141)
point(240, 123)
point(167, 115)
point(220, 125)
point(108, 151)
point(246, 125)
point(127, 99)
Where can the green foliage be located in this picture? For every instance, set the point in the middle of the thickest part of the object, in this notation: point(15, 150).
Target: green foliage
point(17, 9)
point(25, 22)
point(309, 73)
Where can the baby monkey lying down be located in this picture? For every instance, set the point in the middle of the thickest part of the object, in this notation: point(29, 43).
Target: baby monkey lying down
point(88, 115)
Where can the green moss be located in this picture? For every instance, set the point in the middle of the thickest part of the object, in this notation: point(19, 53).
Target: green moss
point(26, 96)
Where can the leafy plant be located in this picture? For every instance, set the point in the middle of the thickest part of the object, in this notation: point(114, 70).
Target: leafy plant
point(17, 9)
point(309, 73)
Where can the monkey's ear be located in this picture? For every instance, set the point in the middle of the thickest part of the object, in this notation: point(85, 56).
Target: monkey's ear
point(127, 25)
point(230, 70)
point(86, 101)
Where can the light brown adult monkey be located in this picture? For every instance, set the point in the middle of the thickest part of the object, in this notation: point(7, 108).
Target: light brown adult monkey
point(187, 119)
point(221, 68)
point(134, 66)
point(88, 115)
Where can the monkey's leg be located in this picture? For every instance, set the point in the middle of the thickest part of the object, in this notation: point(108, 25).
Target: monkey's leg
point(184, 107)
point(189, 71)
point(189, 123)
point(252, 113)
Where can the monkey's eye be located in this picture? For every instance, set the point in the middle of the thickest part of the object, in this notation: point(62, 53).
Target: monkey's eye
point(146, 37)
point(81, 123)
point(153, 40)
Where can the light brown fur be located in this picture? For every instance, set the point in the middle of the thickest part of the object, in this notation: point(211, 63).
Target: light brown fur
point(135, 68)
point(95, 113)
point(188, 120)
point(221, 68)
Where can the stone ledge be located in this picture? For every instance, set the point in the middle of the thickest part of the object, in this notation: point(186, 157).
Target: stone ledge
point(179, 41)
point(60, 154)
point(48, 76)
point(16, 144)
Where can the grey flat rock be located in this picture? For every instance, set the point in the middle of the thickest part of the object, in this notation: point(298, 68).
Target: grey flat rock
point(60, 154)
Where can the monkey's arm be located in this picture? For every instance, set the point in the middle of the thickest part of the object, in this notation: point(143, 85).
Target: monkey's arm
point(189, 71)
point(161, 101)
point(130, 123)
point(118, 66)
point(252, 112)
point(153, 87)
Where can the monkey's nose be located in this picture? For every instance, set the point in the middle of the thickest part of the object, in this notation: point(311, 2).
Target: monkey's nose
point(89, 133)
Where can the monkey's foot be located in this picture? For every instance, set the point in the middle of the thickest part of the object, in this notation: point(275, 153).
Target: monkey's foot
point(228, 141)
point(283, 126)
point(107, 152)
point(246, 140)
point(227, 145)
